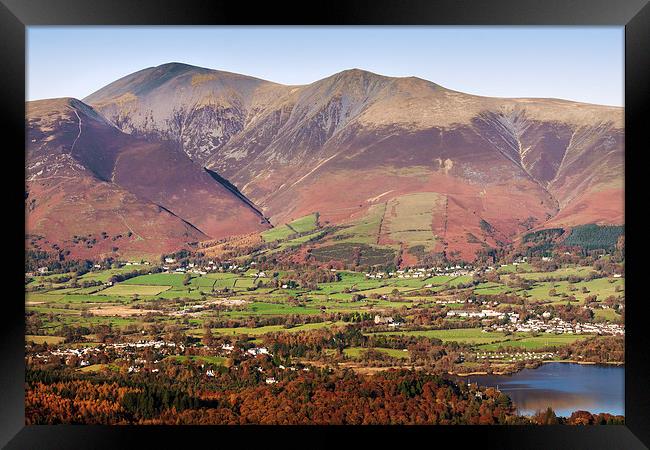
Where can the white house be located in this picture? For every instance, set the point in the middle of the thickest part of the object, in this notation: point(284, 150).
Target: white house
point(379, 319)
point(258, 351)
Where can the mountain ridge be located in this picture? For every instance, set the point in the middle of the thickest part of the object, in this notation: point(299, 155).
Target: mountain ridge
point(335, 144)
point(71, 145)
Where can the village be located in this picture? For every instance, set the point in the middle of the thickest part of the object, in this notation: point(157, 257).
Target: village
point(559, 326)
point(421, 272)
point(521, 356)
point(509, 322)
point(211, 316)
point(134, 354)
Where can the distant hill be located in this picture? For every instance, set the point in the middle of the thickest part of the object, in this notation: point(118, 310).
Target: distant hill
point(85, 176)
point(356, 146)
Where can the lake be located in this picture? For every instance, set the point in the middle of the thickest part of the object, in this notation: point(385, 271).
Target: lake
point(565, 387)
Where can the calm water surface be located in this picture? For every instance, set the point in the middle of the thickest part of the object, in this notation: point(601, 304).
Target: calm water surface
point(565, 387)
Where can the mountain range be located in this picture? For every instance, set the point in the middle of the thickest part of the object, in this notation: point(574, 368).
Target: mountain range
point(176, 154)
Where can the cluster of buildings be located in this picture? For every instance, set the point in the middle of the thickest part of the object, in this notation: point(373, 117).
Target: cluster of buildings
point(197, 309)
point(211, 266)
point(258, 351)
point(518, 356)
point(126, 349)
point(484, 314)
point(421, 272)
point(258, 274)
point(516, 262)
point(272, 380)
point(379, 320)
point(559, 326)
point(227, 348)
point(457, 301)
point(131, 263)
point(189, 268)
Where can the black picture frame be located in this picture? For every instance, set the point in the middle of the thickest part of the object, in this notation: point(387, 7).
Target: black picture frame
point(15, 15)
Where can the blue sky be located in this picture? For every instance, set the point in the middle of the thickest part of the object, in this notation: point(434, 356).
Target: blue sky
point(577, 63)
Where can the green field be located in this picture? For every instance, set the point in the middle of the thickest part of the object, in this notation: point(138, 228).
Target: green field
point(74, 298)
point(461, 335)
point(276, 309)
point(348, 280)
point(104, 275)
point(99, 367)
point(533, 343)
point(67, 306)
point(281, 232)
point(559, 273)
point(512, 268)
point(492, 340)
point(158, 279)
point(295, 242)
point(607, 314)
point(460, 280)
point(491, 289)
point(43, 297)
point(304, 224)
point(130, 289)
point(364, 230)
point(43, 339)
point(277, 233)
point(306, 238)
point(268, 329)
point(409, 218)
point(601, 287)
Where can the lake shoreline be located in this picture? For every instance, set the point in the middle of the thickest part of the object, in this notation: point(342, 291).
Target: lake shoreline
point(588, 363)
point(566, 388)
point(538, 364)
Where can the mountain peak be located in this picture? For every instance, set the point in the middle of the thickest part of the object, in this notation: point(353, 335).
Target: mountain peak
point(356, 73)
point(350, 81)
point(175, 64)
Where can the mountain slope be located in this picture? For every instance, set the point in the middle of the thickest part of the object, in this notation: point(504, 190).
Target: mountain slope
point(355, 139)
point(197, 109)
point(86, 176)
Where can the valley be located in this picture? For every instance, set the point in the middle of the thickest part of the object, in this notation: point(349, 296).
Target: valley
point(205, 247)
point(144, 320)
